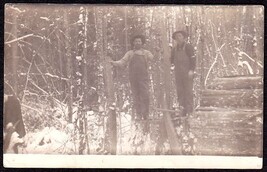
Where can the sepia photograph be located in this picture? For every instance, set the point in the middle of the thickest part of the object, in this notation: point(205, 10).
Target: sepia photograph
point(149, 85)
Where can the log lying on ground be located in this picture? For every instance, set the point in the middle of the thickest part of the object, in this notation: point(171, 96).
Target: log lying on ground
point(233, 114)
point(243, 98)
point(237, 82)
point(233, 146)
point(228, 132)
point(233, 120)
point(175, 143)
point(228, 121)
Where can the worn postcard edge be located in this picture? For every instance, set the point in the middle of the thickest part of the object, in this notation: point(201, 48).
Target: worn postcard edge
point(125, 161)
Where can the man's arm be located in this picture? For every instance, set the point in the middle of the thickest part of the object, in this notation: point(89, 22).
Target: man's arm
point(125, 59)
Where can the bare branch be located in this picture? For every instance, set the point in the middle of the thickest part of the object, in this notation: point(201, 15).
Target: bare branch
point(212, 65)
point(9, 34)
point(55, 76)
point(28, 107)
point(40, 72)
point(29, 69)
point(17, 39)
point(8, 22)
point(246, 55)
point(215, 44)
point(10, 87)
point(46, 93)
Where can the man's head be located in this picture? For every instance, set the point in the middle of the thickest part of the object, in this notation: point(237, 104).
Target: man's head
point(180, 36)
point(138, 41)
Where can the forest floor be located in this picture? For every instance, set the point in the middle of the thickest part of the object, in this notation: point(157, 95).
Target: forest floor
point(48, 132)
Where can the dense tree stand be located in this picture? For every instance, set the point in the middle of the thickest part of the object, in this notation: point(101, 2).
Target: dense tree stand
point(73, 96)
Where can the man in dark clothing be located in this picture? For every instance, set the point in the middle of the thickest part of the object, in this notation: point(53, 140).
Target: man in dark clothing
point(12, 114)
point(13, 123)
point(183, 58)
point(137, 59)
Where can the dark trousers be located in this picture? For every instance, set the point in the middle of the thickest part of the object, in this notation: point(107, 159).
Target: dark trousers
point(140, 93)
point(184, 87)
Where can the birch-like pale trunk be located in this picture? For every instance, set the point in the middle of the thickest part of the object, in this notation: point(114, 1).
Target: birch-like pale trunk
point(69, 67)
point(79, 76)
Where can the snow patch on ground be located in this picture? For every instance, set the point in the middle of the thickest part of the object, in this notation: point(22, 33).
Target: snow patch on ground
point(47, 141)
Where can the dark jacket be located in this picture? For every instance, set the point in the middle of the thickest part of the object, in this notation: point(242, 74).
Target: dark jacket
point(189, 50)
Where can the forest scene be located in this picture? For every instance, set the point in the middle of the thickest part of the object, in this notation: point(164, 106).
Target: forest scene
point(72, 100)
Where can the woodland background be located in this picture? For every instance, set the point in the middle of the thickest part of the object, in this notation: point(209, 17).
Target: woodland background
point(56, 62)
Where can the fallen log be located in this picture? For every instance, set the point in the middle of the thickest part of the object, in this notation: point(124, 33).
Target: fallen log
point(237, 82)
point(236, 145)
point(245, 98)
point(227, 132)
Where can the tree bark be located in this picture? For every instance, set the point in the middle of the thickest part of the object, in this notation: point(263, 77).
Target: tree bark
point(69, 67)
point(172, 136)
point(15, 57)
point(111, 130)
point(79, 75)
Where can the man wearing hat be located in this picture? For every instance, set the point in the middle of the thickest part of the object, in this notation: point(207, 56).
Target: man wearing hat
point(183, 58)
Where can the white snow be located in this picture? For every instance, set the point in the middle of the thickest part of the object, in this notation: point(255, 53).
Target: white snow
point(78, 74)
point(112, 108)
point(95, 44)
point(46, 141)
point(13, 140)
point(90, 112)
point(101, 109)
point(125, 104)
point(80, 19)
point(93, 88)
point(45, 18)
point(79, 58)
point(79, 81)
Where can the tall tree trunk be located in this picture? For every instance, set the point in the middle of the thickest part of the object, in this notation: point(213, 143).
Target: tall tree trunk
point(15, 58)
point(80, 79)
point(111, 124)
point(176, 149)
point(126, 28)
point(69, 67)
point(201, 47)
point(86, 59)
point(60, 60)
